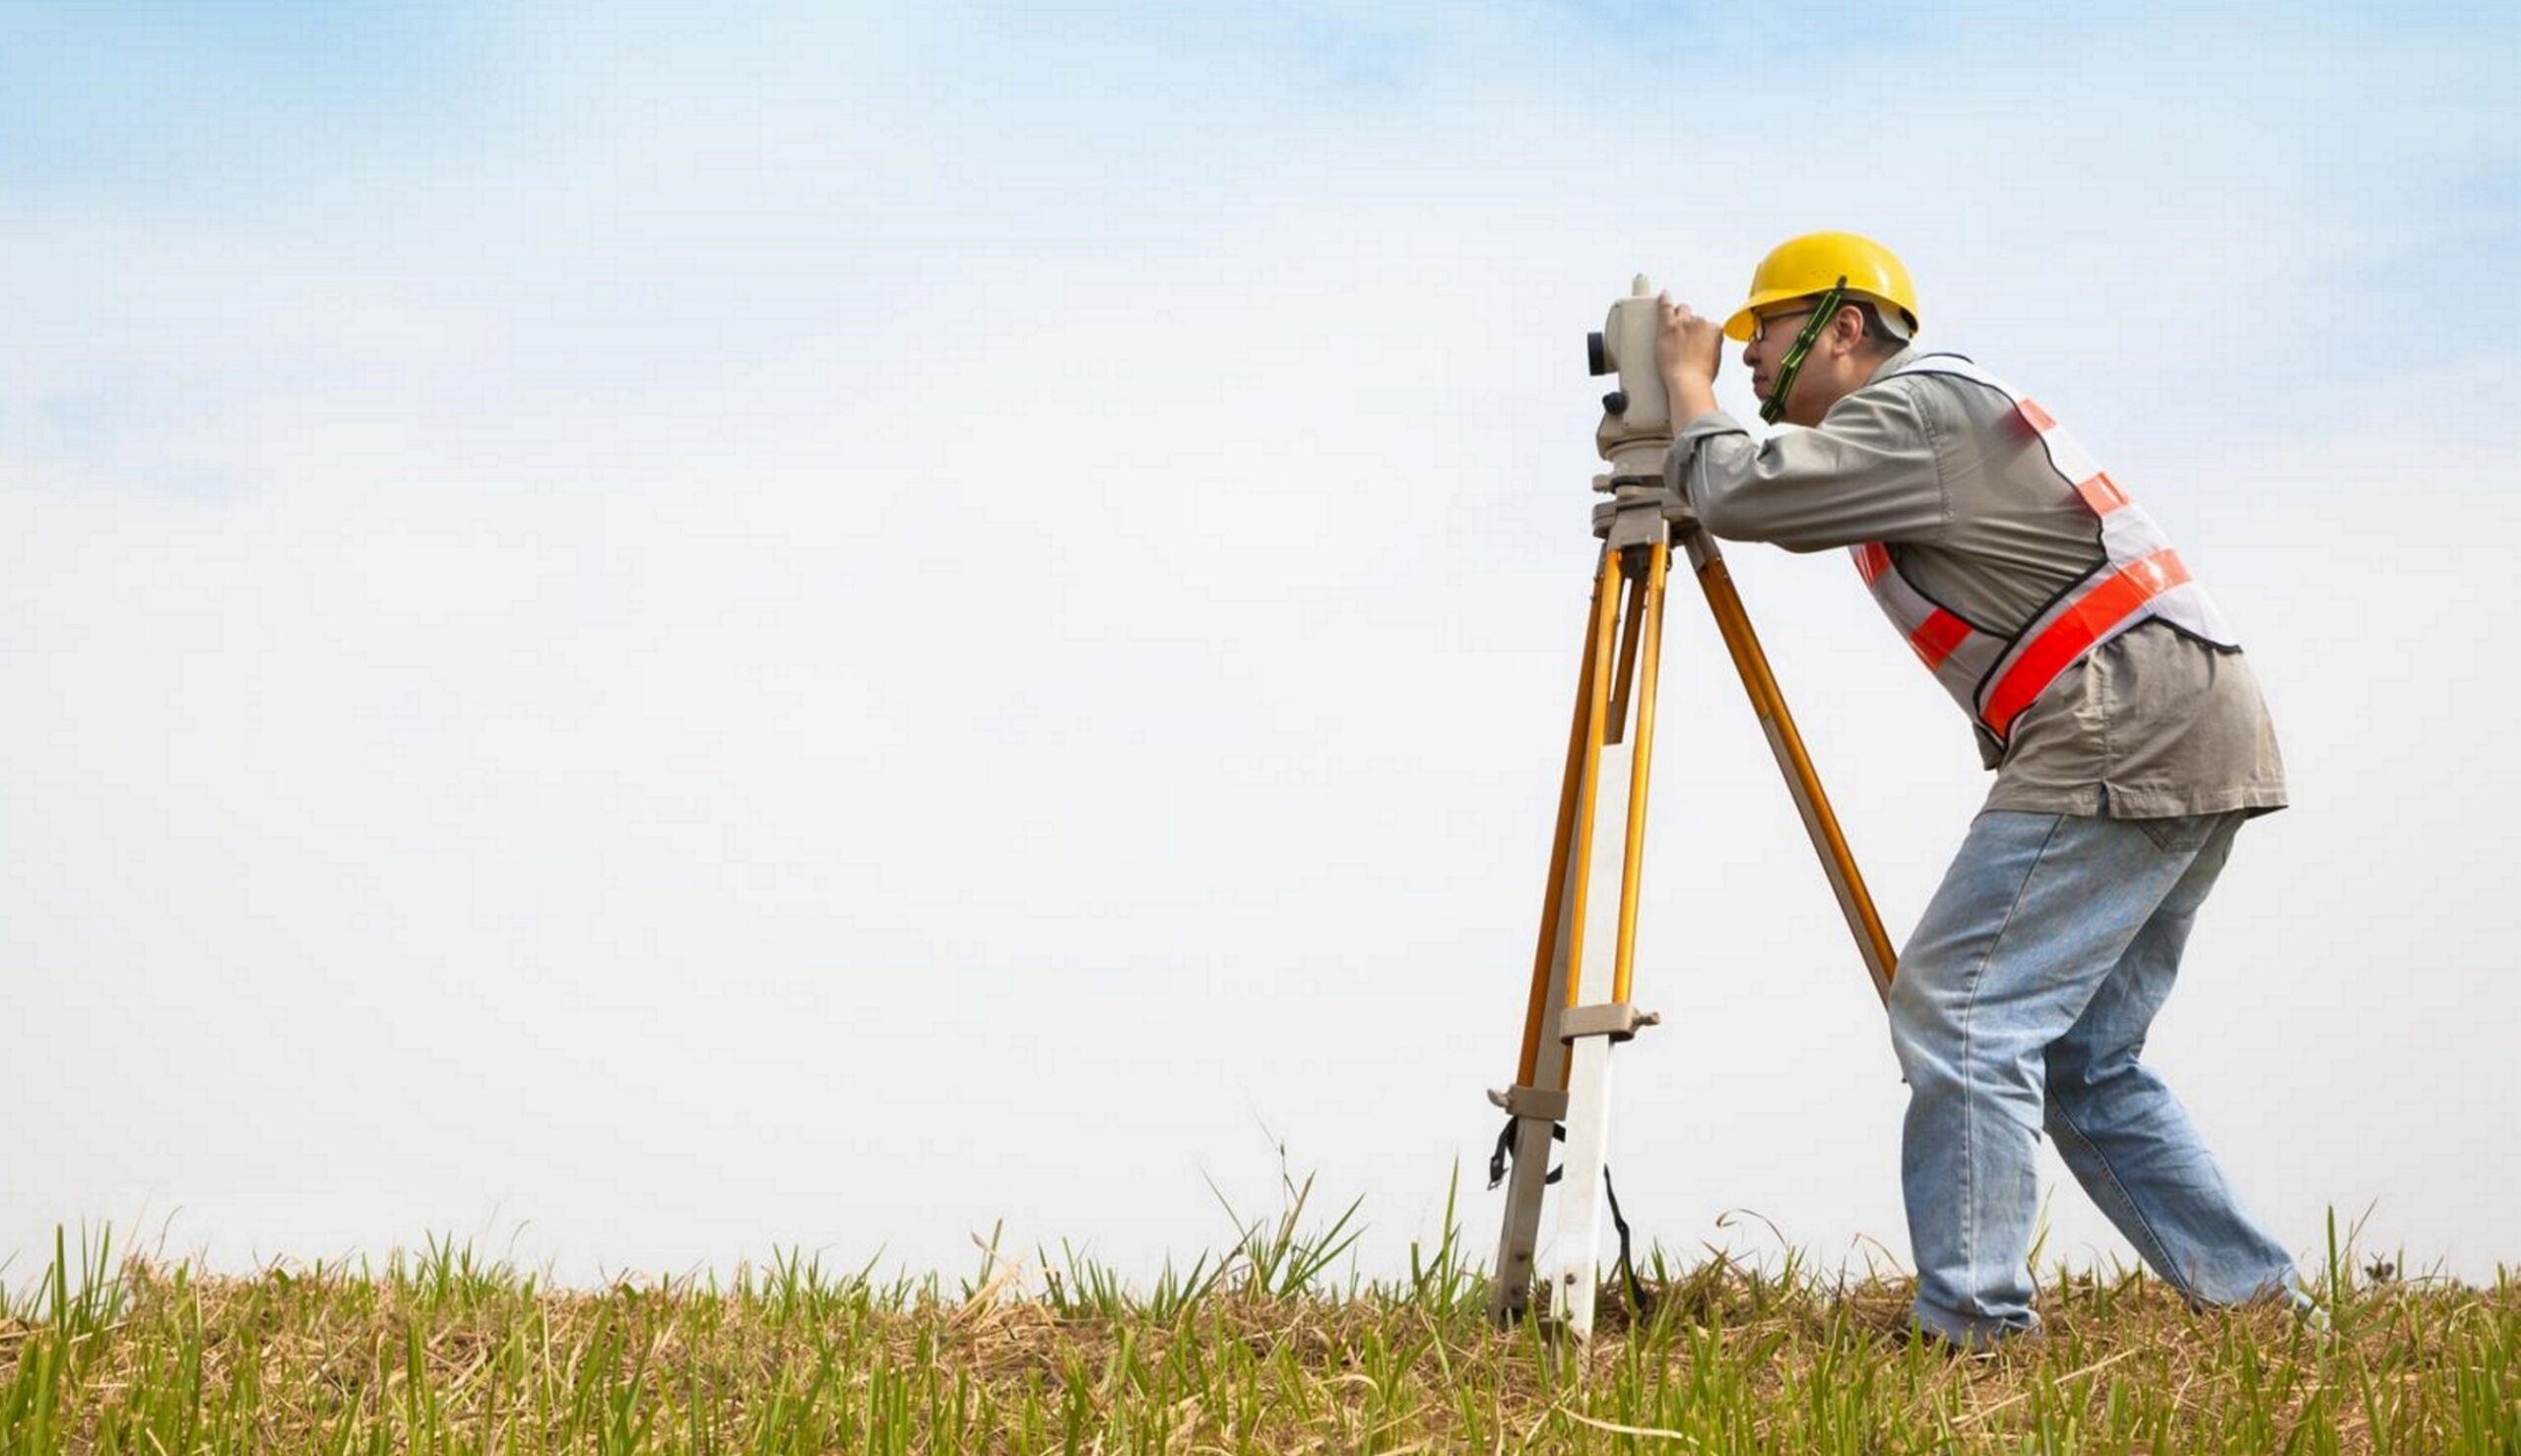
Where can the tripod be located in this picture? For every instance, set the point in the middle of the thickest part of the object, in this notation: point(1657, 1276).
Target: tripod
point(1563, 1074)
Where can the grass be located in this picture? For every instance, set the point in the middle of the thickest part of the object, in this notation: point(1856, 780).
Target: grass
point(1253, 1349)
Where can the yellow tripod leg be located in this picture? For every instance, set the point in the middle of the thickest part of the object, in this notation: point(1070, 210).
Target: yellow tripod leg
point(1590, 1032)
point(1574, 786)
point(1645, 617)
point(1801, 779)
point(1597, 725)
point(1615, 717)
point(1537, 1101)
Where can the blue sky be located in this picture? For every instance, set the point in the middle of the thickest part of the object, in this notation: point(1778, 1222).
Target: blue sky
point(600, 590)
point(637, 169)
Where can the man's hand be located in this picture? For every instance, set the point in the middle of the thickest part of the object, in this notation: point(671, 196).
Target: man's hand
point(1687, 346)
point(1688, 350)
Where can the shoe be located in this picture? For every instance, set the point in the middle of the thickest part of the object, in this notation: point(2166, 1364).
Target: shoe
point(1975, 1347)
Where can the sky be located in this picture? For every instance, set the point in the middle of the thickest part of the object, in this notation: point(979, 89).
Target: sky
point(646, 635)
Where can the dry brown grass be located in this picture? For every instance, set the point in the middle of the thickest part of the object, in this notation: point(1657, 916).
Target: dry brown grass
point(438, 1354)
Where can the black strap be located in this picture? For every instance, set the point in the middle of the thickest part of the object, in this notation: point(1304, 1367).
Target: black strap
point(1504, 1153)
point(1635, 1286)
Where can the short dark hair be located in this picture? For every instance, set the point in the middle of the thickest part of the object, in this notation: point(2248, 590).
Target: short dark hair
point(1876, 332)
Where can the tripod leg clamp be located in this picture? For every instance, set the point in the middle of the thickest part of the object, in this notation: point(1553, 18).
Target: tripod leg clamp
point(1618, 1020)
point(1546, 1104)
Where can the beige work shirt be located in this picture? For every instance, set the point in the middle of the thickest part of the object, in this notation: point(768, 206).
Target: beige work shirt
point(2150, 725)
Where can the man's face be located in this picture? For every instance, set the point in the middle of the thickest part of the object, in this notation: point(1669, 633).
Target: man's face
point(1772, 332)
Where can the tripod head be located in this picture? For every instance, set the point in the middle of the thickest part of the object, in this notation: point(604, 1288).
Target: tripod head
point(1637, 426)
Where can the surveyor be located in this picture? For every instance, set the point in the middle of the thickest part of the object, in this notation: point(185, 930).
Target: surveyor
point(2125, 729)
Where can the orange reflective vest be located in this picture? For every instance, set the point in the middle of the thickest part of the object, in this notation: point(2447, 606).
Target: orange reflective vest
point(1994, 678)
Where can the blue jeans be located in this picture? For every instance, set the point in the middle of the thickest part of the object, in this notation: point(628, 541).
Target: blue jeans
point(2020, 1002)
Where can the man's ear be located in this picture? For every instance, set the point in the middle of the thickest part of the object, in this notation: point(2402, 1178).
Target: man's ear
point(1847, 329)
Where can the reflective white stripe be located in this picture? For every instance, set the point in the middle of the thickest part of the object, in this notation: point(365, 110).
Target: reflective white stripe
point(1965, 662)
point(1973, 665)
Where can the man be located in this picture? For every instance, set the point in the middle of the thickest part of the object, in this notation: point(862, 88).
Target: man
point(2128, 737)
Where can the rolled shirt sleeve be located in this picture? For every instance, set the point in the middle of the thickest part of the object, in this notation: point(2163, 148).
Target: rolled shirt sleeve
point(1867, 472)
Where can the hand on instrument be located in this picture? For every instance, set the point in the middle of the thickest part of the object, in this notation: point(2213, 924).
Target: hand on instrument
point(1687, 347)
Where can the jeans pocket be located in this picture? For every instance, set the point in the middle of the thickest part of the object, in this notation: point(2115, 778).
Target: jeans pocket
point(2182, 835)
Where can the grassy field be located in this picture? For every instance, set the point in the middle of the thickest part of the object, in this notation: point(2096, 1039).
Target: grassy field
point(1261, 1350)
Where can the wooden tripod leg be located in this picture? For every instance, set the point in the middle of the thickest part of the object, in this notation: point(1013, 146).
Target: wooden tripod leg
point(1561, 916)
point(1615, 719)
point(1538, 1098)
point(1593, 1032)
point(1801, 779)
point(1646, 614)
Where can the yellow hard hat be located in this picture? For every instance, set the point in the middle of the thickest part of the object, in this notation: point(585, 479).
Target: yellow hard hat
point(1802, 266)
